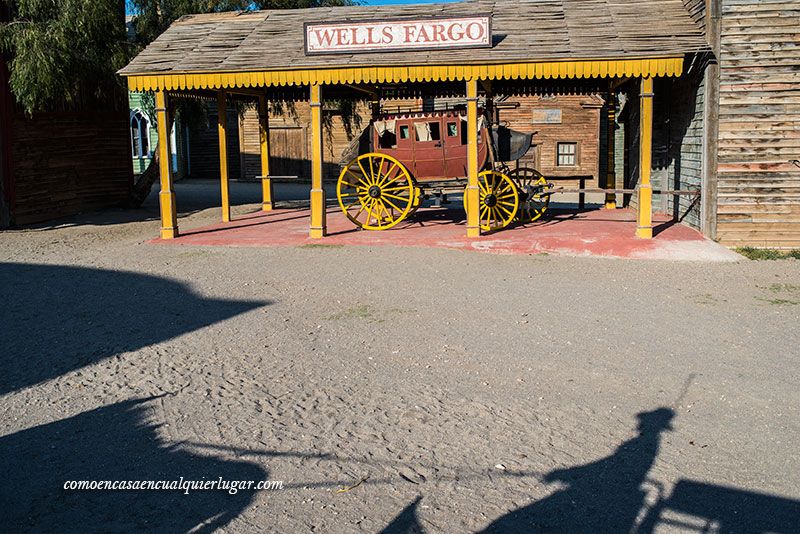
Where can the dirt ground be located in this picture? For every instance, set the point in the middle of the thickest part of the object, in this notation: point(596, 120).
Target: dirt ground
point(390, 389)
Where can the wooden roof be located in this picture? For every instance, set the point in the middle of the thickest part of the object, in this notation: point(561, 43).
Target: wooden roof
point(525, 31)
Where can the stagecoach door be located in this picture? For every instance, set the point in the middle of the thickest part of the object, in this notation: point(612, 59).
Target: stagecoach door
point(428, 134)
point(455, 147)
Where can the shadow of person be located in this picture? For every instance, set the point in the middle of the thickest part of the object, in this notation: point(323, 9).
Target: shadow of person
point(55, 318)
point(406, 521)
point(603, 496)
point(115, 442)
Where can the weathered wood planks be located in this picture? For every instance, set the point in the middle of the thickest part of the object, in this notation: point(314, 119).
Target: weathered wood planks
point(759, 124)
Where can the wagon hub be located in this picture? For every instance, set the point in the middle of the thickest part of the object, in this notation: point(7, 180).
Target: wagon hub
point(490, 200)
point(375, 192)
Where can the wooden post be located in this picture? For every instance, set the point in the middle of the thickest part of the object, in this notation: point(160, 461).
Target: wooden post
point(263, 132)
point(611, 177)
point(169, 217)
point(644, 223)
point(222, 117)
point(710, 174)
point(472, 194)
point(318, 220)
point(375, 105)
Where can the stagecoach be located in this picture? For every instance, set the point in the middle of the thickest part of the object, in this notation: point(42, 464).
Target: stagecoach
point(403, 158)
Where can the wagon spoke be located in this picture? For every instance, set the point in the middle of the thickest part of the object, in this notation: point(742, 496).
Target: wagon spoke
point(506, 211)
point(393, 205)
point(404, 199)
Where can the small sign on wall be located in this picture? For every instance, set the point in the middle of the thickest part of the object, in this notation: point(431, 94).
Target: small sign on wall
point(546, 116)
point(398, 35)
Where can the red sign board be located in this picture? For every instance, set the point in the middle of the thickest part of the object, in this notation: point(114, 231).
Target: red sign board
point(398, 35)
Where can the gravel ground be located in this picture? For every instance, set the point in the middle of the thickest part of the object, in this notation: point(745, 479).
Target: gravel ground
point(398, 389)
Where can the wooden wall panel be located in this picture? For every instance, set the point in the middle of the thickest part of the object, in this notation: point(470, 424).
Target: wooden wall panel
point(204, 146)
point(579, 123)
point(758, 186)
point(64, 163)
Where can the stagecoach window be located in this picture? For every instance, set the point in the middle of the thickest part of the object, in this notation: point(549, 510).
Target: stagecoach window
point(567, 154)
point(388, 140)
point(452, 129)
point(404, 133)
point(428, 131)
point(436, 134)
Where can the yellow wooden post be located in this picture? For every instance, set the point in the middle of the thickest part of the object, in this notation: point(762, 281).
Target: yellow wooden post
point(223, 155)
point(644, 224)
point(472, 194)
point(611, 176)
point(169, 217)
point(318, 221)
point(263, 131)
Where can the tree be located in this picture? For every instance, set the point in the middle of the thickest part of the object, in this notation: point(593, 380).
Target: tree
point(63, 53)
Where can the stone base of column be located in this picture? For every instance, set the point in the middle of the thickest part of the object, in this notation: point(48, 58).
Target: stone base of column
point(169, 221)
point(319, 226)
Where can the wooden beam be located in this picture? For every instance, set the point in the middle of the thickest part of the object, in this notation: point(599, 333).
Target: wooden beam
point(318, 215)
point(263, 135)
point(472, 194)
point(611, 176)
point(169, 218)
point(222, 117)
point(644, 220)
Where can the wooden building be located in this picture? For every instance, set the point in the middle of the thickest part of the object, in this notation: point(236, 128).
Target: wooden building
point(67, 160)
point(566, 145)
point(63, 162)
point(755, 128)
point(573, 44)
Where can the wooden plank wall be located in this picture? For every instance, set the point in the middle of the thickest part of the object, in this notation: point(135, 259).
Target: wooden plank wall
point(580, 123)
point(6, 196)
point(678, 143)
point(204, 146)
point(759, 123)
point(65, 163)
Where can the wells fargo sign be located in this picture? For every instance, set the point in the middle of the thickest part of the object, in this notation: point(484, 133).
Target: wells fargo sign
point(356, 37)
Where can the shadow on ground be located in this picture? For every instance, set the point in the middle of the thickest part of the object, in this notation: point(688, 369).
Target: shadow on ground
point(56, 319)
point(609, 496)
point(116, 442)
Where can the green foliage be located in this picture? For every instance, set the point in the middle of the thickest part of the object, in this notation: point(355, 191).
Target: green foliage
point(64, 52)
point(766, 254)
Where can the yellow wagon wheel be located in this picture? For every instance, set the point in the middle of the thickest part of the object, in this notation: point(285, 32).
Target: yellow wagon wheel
point(499, 200)
point(376, 192)
point(533, 198)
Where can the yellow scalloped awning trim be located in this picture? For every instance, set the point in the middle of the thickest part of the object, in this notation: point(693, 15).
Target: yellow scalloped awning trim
point(631, 68)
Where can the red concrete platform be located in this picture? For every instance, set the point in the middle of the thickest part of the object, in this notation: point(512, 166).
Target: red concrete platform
point(608, 233)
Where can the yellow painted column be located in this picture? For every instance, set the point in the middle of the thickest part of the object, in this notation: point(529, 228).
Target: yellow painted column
point(472, 194)
point(644, 223)
point(263, 131)
point(318, 216)
point(222, 117)
point(611, 176)
point(169, 217)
